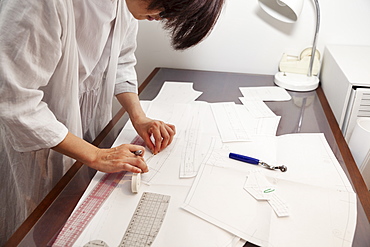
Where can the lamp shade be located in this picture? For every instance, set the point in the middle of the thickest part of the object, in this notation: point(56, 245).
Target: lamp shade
point(283, 10)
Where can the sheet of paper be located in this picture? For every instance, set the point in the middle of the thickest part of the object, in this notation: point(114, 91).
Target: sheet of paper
point(229, 122)
point(191, 141)
point(176, 92)
point(311, 161)
point(194, 129)
point(315, 188)
point(171, 94)
point(257, 108)
point(175, 105)
point(258, 187)
point(265, 93)
point(237, 212)
point(256, 126)
point(111, 221)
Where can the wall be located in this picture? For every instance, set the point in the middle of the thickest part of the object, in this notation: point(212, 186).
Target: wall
point(248, 40)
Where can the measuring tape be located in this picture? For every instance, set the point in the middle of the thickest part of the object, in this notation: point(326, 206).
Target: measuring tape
point(77, 222)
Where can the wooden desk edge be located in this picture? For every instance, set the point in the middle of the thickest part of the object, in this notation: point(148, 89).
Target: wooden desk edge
point(32, 219)
point(356, 177)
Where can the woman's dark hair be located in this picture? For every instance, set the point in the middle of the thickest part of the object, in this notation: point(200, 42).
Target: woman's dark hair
point(189, 21)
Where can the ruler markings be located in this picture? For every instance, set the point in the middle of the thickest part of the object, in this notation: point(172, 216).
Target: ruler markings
point(78, 221)
point(146, 220)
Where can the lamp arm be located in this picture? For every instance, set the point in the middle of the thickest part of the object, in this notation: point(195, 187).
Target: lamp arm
point(315, 37)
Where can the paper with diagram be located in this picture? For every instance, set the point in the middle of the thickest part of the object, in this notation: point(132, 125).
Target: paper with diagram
point(321, 201)
point(110, 222)
point(270, 93)
point(196, 172)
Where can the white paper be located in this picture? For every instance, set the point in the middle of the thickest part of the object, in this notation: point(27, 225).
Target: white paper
point(176, 92)
point(229, 122)
point(190, 139)
point(265, 93)
point(279, 205)
point(256, 126)
point(257, 108)
point(315, 188)
point(111, 221)
point(237, 212)
point(257, 185)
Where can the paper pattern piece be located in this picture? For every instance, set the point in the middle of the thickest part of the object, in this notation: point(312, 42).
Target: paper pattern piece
point(279, 205)
point(257, 108)
point(315, 188)
point(176, 92)
point(257, 126)
point(265, 93)
point(257, 185)
point(229, 123)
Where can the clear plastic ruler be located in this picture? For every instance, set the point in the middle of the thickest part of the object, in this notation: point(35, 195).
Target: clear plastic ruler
point(77, 222)
point(144, 224)
point(146, 220)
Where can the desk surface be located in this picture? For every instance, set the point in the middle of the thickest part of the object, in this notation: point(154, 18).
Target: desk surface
point(315, 116)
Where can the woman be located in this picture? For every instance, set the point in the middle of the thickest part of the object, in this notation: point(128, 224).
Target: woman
point(61, 62)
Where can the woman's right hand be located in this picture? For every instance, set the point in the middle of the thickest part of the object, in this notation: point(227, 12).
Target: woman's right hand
point(121, 158)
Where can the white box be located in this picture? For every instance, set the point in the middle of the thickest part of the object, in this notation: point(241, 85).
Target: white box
point(345, 80)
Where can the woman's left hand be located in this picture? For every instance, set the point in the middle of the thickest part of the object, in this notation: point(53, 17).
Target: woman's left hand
point(162, 133)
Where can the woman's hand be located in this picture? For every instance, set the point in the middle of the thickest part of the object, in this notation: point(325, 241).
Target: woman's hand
point(121, 158)
point(162, 133)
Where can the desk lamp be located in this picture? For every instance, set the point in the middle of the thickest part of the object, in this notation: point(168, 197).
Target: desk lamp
point(289, 11)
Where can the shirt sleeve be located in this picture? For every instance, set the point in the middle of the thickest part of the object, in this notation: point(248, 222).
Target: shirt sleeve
point(126, 79)
point(29, 54)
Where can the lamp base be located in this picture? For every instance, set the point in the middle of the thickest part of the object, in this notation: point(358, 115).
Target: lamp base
point(296, 82)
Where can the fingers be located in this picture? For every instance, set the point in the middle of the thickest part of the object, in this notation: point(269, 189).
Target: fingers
point(148, 141)
point(134, 161)
point(156, 134)
point(121, 158)
point(163, 135)
point(171, 129)
point(136, 165)
point(135, 150)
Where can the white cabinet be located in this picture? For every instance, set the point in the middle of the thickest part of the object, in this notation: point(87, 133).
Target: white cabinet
point(345, 80)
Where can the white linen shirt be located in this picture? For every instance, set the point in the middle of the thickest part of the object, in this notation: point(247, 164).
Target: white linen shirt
point(61, 62)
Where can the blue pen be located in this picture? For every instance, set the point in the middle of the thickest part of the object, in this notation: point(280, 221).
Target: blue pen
point(254, 161)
